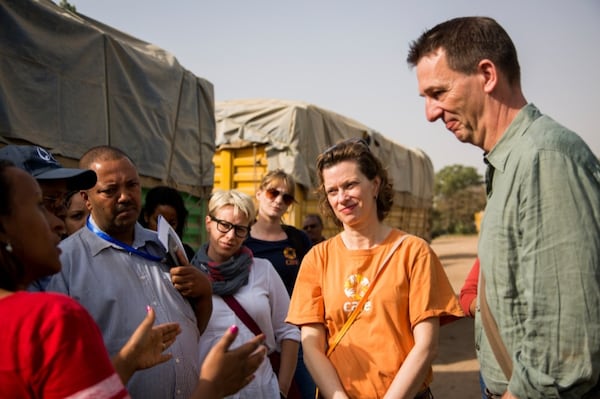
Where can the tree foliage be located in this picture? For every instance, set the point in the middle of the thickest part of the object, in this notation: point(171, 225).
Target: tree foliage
point(454, 178)
point(67, 6)
point(458, 194)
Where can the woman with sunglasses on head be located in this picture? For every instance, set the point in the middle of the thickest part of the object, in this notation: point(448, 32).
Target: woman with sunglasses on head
point(283, 245)
point(369, 300)
point(247, 292)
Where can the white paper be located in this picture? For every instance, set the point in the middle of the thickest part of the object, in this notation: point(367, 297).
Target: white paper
point(169, 239)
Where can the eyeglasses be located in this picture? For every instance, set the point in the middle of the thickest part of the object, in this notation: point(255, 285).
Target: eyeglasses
point(225, 227)
point(272, 194)
point(310, 226)
point(56, 205)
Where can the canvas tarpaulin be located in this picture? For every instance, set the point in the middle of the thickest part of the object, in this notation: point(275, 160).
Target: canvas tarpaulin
point(69, 83)
point(295, 133)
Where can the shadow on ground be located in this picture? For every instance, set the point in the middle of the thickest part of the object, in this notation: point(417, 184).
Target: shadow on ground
point(456, 371)
point(456, 385)
point(453, 337)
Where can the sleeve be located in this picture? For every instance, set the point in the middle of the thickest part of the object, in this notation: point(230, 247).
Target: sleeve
point(468, 292)
point(559, 258)
point(430, 292)
point(75, 360)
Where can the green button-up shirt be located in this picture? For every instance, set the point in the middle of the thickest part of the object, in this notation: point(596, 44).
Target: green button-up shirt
point(540, 254)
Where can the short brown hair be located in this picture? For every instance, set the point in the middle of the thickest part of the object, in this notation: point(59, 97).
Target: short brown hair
point(355, 150)
point(466, 41)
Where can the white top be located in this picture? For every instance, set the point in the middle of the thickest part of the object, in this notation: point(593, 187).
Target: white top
point(266, 300)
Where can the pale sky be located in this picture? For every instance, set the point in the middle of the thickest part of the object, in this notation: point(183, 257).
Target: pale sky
point(349, 56)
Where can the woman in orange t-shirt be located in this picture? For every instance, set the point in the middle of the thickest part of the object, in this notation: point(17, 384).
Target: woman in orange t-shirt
point(388, 350)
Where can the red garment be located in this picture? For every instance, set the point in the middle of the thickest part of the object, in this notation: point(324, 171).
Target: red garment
point(51, 348)
point(468, 292)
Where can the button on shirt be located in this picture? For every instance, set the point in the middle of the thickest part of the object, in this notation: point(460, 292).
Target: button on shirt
point(115, 287)
point(540, 254)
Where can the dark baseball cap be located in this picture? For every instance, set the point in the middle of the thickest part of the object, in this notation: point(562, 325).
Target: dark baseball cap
point(41, 164)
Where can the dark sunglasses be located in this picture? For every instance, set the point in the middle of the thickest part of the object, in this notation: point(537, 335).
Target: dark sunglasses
point(272, 195)
point(225, 227)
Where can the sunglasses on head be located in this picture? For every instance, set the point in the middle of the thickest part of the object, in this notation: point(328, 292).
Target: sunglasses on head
point(272, 195)
point(353, 140)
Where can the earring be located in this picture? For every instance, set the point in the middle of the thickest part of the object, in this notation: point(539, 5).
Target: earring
point(8, 247)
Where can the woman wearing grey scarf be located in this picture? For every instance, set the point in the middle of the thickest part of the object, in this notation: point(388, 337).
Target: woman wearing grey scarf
point(255, 286)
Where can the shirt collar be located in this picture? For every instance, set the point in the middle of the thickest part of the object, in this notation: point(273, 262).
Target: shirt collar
point(141, 238)
point(499, 155)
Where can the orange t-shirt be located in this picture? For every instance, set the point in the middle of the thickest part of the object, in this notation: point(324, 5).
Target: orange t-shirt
point(412, 288)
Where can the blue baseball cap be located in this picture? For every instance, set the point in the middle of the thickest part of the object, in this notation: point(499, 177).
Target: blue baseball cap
point(41, 164)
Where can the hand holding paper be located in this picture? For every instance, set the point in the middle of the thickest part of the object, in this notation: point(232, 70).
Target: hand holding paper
point(170, 240)
point(187, 279)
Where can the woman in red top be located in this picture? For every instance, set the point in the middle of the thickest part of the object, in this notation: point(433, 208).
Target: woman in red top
point(468, 292)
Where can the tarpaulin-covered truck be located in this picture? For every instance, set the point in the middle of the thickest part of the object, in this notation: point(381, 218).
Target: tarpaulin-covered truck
point(68, 83)
point(255, 136)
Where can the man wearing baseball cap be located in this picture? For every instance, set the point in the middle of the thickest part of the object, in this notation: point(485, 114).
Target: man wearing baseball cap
point(41, 164)
point(55, 181)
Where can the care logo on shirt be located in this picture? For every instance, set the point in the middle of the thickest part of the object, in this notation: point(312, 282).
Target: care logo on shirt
point(291, 259)
point(355, 287)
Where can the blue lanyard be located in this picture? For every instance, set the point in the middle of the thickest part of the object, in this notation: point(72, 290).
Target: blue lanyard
point(121, 244)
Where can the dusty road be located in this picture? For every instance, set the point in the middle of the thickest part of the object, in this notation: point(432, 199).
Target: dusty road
point(456, 371)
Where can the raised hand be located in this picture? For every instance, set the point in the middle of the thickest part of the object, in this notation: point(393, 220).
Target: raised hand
point(145, 347)
point(224, 372)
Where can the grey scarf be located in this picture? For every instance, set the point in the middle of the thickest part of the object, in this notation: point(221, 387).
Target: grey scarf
point(226, 277)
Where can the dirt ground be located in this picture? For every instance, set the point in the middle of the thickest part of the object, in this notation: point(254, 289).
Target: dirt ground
point(456, 371)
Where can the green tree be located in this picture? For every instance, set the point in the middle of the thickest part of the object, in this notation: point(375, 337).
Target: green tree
point(458, 194)
point(454, 178)
point(67, 6)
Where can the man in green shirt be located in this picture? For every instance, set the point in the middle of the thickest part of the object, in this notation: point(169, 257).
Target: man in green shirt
point(540, 237)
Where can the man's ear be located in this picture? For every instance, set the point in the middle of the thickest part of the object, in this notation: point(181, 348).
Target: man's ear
point(86, 198)
point(489, 73)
